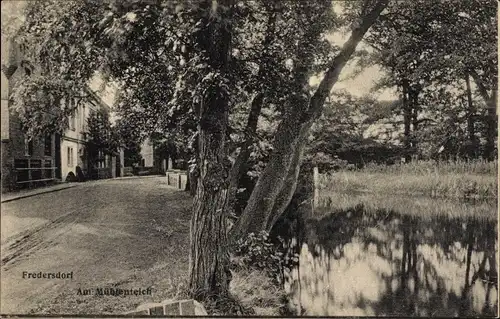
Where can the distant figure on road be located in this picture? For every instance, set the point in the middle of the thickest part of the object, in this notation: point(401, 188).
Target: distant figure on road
point(79, 174)
point(71, 177)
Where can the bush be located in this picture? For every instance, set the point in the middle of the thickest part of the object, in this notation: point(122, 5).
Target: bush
point(256, 251)
point(71, 177)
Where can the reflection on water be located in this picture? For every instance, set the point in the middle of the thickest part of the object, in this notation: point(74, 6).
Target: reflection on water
point(358, 263)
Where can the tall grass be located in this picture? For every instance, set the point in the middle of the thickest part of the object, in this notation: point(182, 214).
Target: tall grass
point(480, 167)
point(255, 290)
point(423, 207)
point(471, 180)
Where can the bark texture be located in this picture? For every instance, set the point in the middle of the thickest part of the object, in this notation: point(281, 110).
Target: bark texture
point(277, 182)
point(491, 118)
point(471, 119)
point(209, 257)
point(414, 118)
point(470, 110)
point(239, 167)
point(285, 195)
point(262, 199)
point(406, 120)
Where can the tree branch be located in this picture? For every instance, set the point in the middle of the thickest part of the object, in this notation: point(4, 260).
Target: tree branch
point(480, 85)
point(332, 74)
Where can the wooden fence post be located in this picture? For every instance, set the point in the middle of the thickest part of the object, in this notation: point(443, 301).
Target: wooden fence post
point(53, 169)
point(30, 183)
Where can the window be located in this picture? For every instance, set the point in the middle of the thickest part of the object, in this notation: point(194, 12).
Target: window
point(82, 121)
point(48, 145)
point(70, 157)
point(28, 146)
point(72, 118)
point(72, 122)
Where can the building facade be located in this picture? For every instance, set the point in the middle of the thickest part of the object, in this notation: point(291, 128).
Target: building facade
point(23, 159)
point(35, 161)
point(147, 154)
point(74, 146)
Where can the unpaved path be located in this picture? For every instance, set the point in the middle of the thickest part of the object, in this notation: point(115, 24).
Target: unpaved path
point(128, 234)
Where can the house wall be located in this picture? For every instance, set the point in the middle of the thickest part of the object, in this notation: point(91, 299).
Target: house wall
point(5, 107)
point(71, 156)
point(14, 144)
point(73, 141)
point(74, 146)
point(6, 178)
point(147, 154)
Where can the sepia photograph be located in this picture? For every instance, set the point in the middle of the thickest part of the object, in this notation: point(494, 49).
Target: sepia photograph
point(249, 158)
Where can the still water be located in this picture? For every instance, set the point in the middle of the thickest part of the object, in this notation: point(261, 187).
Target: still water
point(356, 263)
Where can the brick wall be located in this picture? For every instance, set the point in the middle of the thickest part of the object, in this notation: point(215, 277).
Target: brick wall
point(13, 137)
point(15, 148)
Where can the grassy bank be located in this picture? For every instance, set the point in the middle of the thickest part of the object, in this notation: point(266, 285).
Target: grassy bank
point(422, 206)
point(478, 167)
point(474, 180)
point(255, 290)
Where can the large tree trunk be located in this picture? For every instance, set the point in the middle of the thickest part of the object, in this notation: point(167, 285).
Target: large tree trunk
point(209, 257)
point(414, 118)
point(491, 131)
point(491, 118)
point(285, 195)
point(406, 120)
point(258, 211)
point(256, 214)
point(470, 111)
point(471, 118)
point(240, 165)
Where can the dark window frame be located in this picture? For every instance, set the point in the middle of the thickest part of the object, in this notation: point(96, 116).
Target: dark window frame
point(48, 145)
point(28, 146)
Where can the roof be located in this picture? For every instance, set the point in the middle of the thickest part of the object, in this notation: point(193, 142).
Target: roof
point(98, 99)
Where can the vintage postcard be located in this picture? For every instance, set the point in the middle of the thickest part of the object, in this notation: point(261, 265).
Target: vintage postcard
point(250, 158)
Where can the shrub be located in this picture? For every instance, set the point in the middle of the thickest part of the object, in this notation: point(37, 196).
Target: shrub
point(256, 251)
point(71, 177)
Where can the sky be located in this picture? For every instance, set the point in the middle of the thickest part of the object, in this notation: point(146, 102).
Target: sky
point(107, 93)
point(363, 82)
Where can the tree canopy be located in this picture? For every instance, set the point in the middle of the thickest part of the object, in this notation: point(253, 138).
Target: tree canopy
point(229, 80)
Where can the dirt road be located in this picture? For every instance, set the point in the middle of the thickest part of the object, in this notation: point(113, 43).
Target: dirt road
point(129, 234)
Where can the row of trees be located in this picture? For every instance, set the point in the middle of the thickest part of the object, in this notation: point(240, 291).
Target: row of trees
point(439, 54)
point(441, 58)
point(231, 79)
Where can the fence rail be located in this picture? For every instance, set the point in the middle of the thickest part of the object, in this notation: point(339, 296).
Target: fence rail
point(29, 171)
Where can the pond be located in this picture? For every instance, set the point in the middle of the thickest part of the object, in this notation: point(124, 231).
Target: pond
point(374, 262)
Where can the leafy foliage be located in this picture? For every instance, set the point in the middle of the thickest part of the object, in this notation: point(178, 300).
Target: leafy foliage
point(100, 134)
point(355, 131)
point(432, 46)
point(259, 252)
